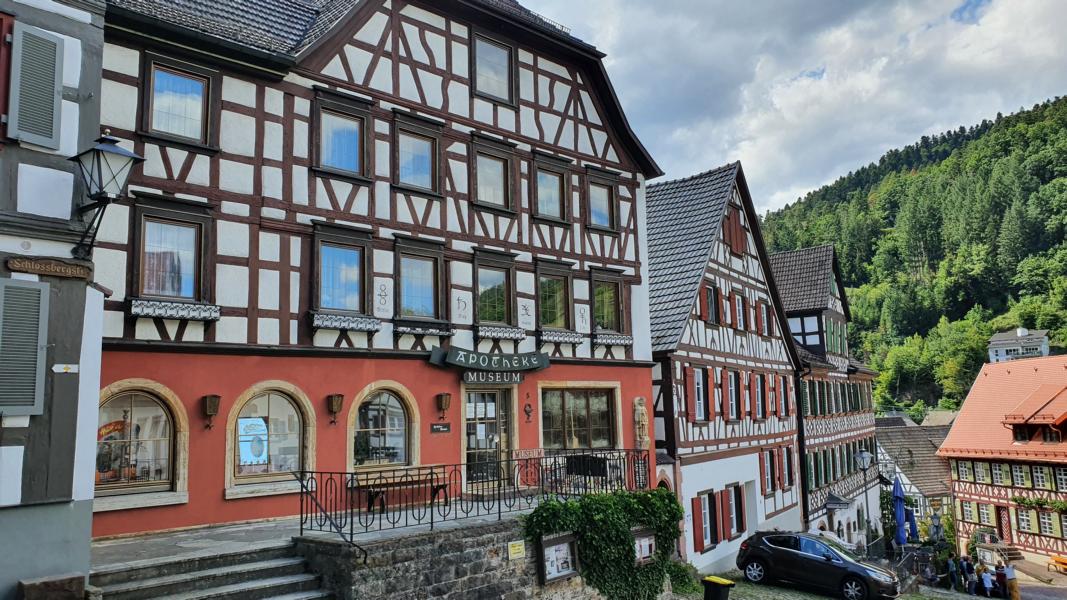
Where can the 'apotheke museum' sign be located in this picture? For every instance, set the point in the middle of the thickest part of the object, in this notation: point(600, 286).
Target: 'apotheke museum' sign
point(479, 361)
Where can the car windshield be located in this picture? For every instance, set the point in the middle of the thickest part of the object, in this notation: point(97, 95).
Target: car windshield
point(841, 551)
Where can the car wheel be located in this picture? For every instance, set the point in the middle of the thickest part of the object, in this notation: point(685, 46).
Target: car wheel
point(755, 571)
point(853, 589)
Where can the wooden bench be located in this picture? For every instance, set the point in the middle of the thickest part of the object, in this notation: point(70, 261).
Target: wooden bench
point(1057, 563)
point(377, 489)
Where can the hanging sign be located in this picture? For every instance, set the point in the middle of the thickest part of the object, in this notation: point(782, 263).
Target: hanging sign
point(480, 361)
point(49, 267)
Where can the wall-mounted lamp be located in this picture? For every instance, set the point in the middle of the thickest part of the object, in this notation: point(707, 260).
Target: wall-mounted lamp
point(333, 405)
point(105, 168)
point(211, 408)
point(444, 400)
point(528, 409)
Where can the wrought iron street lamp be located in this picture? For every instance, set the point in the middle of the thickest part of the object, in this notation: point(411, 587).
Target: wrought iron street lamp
point(863, 461)
point(105, 168)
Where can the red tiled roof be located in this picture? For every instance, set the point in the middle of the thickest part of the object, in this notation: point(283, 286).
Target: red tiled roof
point(1005, 391)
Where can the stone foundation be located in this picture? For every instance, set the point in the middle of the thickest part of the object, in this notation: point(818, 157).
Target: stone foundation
point(469, 563)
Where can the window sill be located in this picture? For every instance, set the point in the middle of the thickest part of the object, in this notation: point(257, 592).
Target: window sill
point(494, 208)
point(612, 339)
point(343, 175)
point(500, 332)
point(495, 99)
point(267, 488)
point(423, 327)
point(549, 220)
point(344, 321)
point(178, 142)
point(418, 191)
point(602, 229)
point(174, 309)
point(130, 501)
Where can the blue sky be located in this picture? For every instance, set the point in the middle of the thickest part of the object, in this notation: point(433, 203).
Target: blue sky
point(804, 91)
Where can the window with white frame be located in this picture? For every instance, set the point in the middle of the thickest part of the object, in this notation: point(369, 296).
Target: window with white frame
point(1061, 482)
point(1018, 475)
point(1040, 477)
point(985, 513)
point(981, 472)
point(998, 474)
point(705, 519)
point(739, 311)
point(968, 512)
point(701, 398)
point(764, 324)
point(1044, 523)
point(761, 398)
point(783, 400)
point(735, 395)
point(768, 471)
point(1023, 516)
point(718, 389)
point(964, 468)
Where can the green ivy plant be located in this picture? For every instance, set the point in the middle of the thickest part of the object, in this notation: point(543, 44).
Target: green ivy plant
point(601, 524)
point(1059, 506)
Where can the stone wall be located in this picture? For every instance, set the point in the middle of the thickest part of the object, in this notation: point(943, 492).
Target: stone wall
point(468, 563)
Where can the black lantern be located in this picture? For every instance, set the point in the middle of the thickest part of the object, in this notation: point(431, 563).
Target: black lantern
point(104, 168)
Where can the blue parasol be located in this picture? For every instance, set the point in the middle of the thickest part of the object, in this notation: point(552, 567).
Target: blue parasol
point(900, 534)
point(913, 527)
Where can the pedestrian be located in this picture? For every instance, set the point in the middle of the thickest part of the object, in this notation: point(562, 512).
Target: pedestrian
point(1002, 581)
point(953, 573)
point(987, 581)
point(1013, 583)
point(970, 576)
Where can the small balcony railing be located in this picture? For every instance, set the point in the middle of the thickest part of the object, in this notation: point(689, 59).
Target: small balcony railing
point(351, 504)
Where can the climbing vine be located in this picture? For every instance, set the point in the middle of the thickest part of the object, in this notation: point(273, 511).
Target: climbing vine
point(602, 526)
point(1059, 506)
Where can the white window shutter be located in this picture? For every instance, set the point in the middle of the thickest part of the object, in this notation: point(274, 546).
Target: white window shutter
point(23, 346)
point(36, 86)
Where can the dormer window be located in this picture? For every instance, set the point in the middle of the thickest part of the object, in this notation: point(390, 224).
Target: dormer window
point(1021, 433)
point(1051, 435)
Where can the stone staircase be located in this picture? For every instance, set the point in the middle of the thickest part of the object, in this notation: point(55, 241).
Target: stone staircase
point(270, 572)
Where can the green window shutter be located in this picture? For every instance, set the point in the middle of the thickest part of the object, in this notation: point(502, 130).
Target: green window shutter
point(23, 346)
point(36, 88)
point(954, 470)
point(1028, 478)
point(1057, 526)
point(1012, 518)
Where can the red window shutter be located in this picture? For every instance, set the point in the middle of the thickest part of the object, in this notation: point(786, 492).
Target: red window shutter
point(690, 395)
point(759, 316)
point(752, 398)
point(770, 320)
point(763, 472)
point(746, 398)
point(719, 306)
point(702, 302)
point(788, 400)
point(780, 456)
point(698, 525)
point(712, 387)
point(7, 27)
point(744, 521)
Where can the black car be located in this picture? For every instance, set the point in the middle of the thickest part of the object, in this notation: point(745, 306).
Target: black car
point(813, 561)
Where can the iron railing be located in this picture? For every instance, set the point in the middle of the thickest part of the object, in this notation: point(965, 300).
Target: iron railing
point(353, 503)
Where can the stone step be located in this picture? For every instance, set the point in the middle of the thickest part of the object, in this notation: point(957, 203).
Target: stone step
point(154, 587)
point(107, 575)
point(312, 595)
point(271, 587)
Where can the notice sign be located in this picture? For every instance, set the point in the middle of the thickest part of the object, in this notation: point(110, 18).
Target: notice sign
point(495, 377)
point(440, 427)
point(252, 440)
point(516, 550)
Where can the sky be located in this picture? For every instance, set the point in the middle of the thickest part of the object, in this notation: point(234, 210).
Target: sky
point(804, 91)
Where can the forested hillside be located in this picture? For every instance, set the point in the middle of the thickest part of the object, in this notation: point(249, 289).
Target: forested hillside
point(941, 244)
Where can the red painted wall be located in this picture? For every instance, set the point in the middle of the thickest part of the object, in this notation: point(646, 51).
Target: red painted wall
point(192, 376)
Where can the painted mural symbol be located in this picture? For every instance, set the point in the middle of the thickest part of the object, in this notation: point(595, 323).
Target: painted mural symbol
point(461, 307)
point(383, 295)
point(526, 310)
point(582, 317)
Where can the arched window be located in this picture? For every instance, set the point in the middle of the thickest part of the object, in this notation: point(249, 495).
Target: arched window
point(269, 437)
point(134, 445)
point(381, 431)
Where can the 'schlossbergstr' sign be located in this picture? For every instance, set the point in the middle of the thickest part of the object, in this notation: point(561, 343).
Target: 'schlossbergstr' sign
point(49, 267)
point(480, 361)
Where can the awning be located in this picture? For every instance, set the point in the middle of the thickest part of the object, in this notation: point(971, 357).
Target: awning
point(835, 502)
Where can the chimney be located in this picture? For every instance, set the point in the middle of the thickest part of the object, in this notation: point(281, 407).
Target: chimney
point(1022, 332)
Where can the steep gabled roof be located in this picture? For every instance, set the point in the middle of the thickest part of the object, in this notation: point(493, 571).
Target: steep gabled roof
point(803, 278)
point(1031, 387)
point(914, 452)
point(282, 27)
point(684, 218)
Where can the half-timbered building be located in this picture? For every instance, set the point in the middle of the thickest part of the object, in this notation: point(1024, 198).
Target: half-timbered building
point(368, 234)
point(1008, 459)
point(725, 408)
point(835, 392)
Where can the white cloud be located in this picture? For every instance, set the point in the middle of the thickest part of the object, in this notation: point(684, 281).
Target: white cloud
point(804, 92)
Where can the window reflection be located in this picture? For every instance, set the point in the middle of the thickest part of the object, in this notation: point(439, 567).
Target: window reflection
point(550, 194)
point(553, 302)
point(418, 287)
point(415, 157)
point(606, 305)
point(381, 431)
point(492, 180)
point(600, 210)
point(577, 418)
point(178, 102)
point(492, 295)
point(170, 259)
point(340, 277)
point(493, 69)
point(340, 142)
point(133, 444)
point(268, 436)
